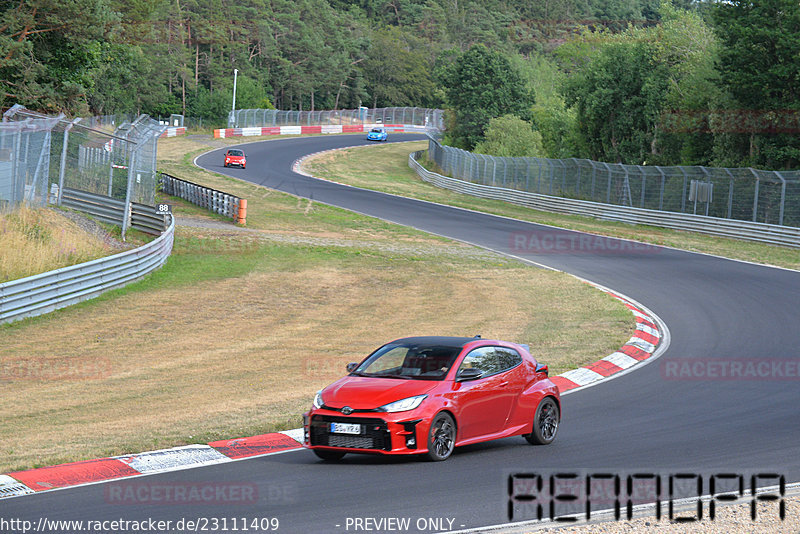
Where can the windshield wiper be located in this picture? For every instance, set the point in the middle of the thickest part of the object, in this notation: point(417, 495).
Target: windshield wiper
point(404, 377)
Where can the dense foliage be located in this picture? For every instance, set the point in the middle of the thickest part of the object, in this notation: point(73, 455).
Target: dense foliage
point(687, 81)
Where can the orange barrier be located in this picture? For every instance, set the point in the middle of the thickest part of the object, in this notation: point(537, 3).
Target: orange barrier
point(241, 215)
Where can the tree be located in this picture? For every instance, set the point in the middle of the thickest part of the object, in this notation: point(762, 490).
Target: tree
point(49, 49)
point(397, 71)
point(511, 136)
point(619, 98)
point(480, 86)
point(759, 66)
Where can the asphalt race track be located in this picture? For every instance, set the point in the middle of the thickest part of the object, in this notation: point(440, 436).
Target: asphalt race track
point(647, 421)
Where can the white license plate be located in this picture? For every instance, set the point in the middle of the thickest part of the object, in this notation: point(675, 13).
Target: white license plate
point(345, 428)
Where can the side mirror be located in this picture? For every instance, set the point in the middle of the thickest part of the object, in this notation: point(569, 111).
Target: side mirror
point(542, 368)
point(468, 374)
point(351, 367)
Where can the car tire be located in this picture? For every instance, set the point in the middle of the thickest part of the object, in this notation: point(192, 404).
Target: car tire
point(441, 438)
point(545, 423)
point(225, 165)
point(329, 456)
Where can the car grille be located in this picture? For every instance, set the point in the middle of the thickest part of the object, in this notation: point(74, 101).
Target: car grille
point(374, 433)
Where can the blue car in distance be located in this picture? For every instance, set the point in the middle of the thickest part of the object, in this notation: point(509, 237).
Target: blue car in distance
point(377, 134)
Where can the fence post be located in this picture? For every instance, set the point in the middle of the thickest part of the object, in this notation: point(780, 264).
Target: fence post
point(683, 191)
point(755, 196)
point(730, 193)
point(644, 183)
point(126, 214)
point(783, 197)
point(608, 190)
point(62, 170)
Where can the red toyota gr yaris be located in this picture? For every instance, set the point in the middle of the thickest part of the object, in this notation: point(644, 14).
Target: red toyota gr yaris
point(427, 395)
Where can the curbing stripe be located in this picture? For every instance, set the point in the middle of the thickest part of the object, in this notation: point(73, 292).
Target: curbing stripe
point(73, 474)
point(12, 488)
point(255, 445)
point(173, 459)
point(604, 367)
point(621, 360)
point(648, 330)
point(582, 376)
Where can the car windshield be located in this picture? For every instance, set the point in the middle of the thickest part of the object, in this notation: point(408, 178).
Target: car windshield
point(235, 153)
point(409, 361)
point(377, 130)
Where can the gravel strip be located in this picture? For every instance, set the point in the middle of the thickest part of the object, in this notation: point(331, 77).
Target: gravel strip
point(90, 226)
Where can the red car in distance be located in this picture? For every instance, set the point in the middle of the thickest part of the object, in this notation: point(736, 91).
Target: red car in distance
point(427, 395)
point(234, 156)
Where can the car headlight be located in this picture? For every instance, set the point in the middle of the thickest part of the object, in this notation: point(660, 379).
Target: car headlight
point(403, 405)
point(318, 400)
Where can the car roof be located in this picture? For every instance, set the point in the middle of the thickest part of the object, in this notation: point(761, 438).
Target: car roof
point(441, 341)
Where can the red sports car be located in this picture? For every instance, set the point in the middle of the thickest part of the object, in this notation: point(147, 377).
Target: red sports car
point(234, 156)
point(426, 395)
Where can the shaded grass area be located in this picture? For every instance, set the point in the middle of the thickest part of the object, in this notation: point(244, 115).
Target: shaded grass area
point(356, 166)
point(236, 332)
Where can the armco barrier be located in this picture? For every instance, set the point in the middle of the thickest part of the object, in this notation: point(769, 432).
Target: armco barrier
point(173, 132)
point(751, 231)
point(112, 211)
point(205, 197)
point(43, 293)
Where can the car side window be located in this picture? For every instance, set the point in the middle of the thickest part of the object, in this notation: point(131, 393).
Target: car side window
point(508, 358)
point(491, 360)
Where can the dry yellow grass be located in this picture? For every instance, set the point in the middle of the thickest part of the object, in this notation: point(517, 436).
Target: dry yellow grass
point(34, 241)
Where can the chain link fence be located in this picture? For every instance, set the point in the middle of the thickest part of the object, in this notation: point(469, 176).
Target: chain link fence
point(25, 161)
point(41, 156)
point(249, 118)
point(745, 194)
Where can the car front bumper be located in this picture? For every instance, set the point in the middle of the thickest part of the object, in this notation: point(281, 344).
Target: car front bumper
point(381, 433)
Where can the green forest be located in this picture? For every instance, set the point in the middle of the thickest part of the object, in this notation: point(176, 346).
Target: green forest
point(633, 81)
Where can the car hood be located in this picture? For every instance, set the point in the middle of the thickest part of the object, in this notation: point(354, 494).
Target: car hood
point(365, 393)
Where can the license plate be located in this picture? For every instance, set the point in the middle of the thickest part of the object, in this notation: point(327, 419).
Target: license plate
point(345, 428)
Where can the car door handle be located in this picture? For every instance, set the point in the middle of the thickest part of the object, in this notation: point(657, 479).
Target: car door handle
point(503, 384)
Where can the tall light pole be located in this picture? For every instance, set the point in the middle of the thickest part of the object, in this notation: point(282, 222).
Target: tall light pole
point(235, 72)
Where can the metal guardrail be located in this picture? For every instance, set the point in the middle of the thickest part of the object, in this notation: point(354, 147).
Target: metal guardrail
point(217, 201)
point(751, 231)
point(110, 210)
point(43, 293)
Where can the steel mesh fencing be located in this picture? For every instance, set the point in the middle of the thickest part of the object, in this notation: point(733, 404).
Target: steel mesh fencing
point(747, 194)
point(25, 149)
point(255, 118)
point(41, 156)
